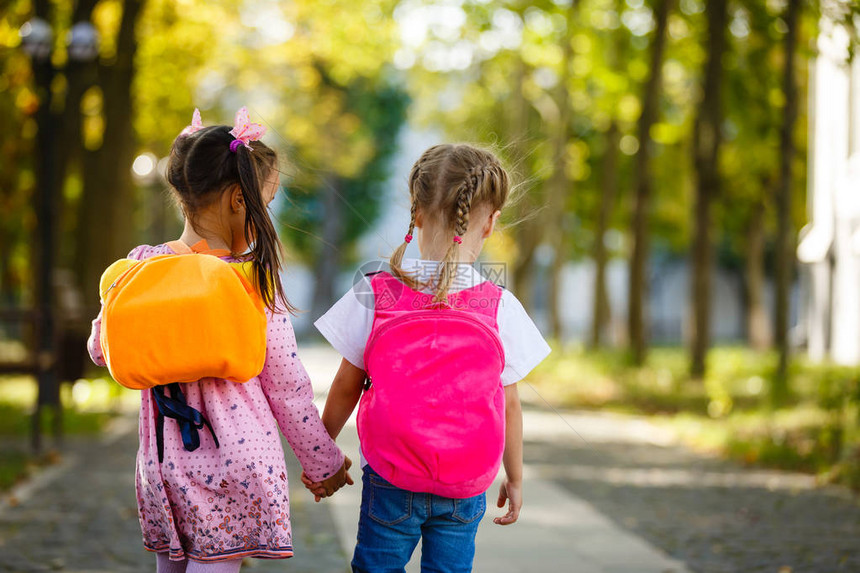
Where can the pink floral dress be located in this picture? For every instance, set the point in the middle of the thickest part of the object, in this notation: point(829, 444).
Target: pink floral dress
point(231, 501)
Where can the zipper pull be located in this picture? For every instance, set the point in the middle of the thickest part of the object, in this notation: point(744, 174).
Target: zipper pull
point(368, 382)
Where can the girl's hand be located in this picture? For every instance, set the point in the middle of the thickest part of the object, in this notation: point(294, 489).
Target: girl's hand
point(513, 493)
point(315, 488)
point(327, 487)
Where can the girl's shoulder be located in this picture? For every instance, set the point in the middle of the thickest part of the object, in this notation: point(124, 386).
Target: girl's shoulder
point(523, 342)
point(141, 252)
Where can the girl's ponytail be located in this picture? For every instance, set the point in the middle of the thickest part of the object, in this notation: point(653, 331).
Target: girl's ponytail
point(253, 166)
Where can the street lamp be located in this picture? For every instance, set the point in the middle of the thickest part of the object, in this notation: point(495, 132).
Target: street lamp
point(37, 40)
point(83, 42)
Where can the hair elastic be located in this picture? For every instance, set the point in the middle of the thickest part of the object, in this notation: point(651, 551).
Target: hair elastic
point(236, 144)
point(408, 238)
point(458, 240)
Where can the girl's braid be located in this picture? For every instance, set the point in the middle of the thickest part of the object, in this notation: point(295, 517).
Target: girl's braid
point(464, 200)
point(416, 179)
point(417, 185)
point(412, 212)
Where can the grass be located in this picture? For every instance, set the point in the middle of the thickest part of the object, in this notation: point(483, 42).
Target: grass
point(88, 406)
point(730, 411)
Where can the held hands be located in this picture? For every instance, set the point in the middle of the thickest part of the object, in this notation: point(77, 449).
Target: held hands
point(513, 493)
point(327, 487)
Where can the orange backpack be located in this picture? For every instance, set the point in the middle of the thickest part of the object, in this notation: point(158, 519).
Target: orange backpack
point(181, 317)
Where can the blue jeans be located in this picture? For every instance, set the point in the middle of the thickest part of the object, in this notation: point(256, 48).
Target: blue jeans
point(393, 520)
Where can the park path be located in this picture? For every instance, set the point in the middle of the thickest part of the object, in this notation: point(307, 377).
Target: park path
point(604, 494)
point(557, 531)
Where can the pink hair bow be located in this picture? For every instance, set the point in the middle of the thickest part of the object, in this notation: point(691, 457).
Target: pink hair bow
point(196, 124)
point(244, 131)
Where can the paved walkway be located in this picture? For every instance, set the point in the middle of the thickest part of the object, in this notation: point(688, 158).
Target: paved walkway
point(81, 516)
point(604, 494)
point(557, 532)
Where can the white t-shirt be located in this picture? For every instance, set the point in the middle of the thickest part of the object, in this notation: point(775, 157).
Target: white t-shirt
point(347, 324)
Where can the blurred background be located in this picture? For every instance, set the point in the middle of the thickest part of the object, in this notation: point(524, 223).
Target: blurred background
point(687, 222)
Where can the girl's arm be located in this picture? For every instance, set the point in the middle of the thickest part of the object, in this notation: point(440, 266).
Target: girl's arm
point(288, 391)
point(94, 345)
point(512, 487)
point(342, 397)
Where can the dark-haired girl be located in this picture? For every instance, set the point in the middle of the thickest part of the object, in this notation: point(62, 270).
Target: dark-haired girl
point(208, 509)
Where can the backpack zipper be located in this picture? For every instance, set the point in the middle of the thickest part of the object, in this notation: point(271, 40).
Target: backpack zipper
point(116, 282)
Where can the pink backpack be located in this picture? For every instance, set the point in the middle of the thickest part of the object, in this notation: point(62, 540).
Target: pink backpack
point(432, 418)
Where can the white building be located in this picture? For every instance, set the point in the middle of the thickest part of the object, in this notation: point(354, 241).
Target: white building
point(829, 247)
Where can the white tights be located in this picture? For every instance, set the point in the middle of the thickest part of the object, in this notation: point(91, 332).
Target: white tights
point(165, 565)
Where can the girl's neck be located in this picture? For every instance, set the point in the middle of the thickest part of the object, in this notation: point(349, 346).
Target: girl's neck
point(190, 236)
point(437, 253)
point(433, 243)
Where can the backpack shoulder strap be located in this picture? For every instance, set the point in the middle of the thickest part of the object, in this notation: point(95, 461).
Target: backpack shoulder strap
point(246, 269)
point(200, 247)
point(179, 247)
point(390, 294)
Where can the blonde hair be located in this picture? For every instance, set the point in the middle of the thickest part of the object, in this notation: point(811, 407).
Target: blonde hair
point(446, 182)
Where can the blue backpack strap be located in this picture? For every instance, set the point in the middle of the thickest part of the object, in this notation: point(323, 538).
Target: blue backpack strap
point(189, 419)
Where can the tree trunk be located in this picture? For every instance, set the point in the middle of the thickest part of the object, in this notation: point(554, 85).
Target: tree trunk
point(71, 152)
point(528, 236)
point(758, 324)
point(601, 312)
point(559, 186)
point(327, 263)
point(93, 246)
point(706, 146)
point(107, 206)
point(638, 285)
point(785, 236)
point(80, 77)
point(527, 227)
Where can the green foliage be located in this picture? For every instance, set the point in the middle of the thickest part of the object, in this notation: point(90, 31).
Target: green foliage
point(14, 467)
point(298, 66)
point(610, 41)
point(380, 107)
point(314, 73)
point(16, 420)
point(178, 49)
point(84, 413)
point(729, 412)
point(605, 379)
point(17, 104)
point(310, 71)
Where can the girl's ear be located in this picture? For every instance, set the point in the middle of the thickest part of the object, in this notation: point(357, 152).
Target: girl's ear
point(490, 224)
point(237, 200)
point(419, 219)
